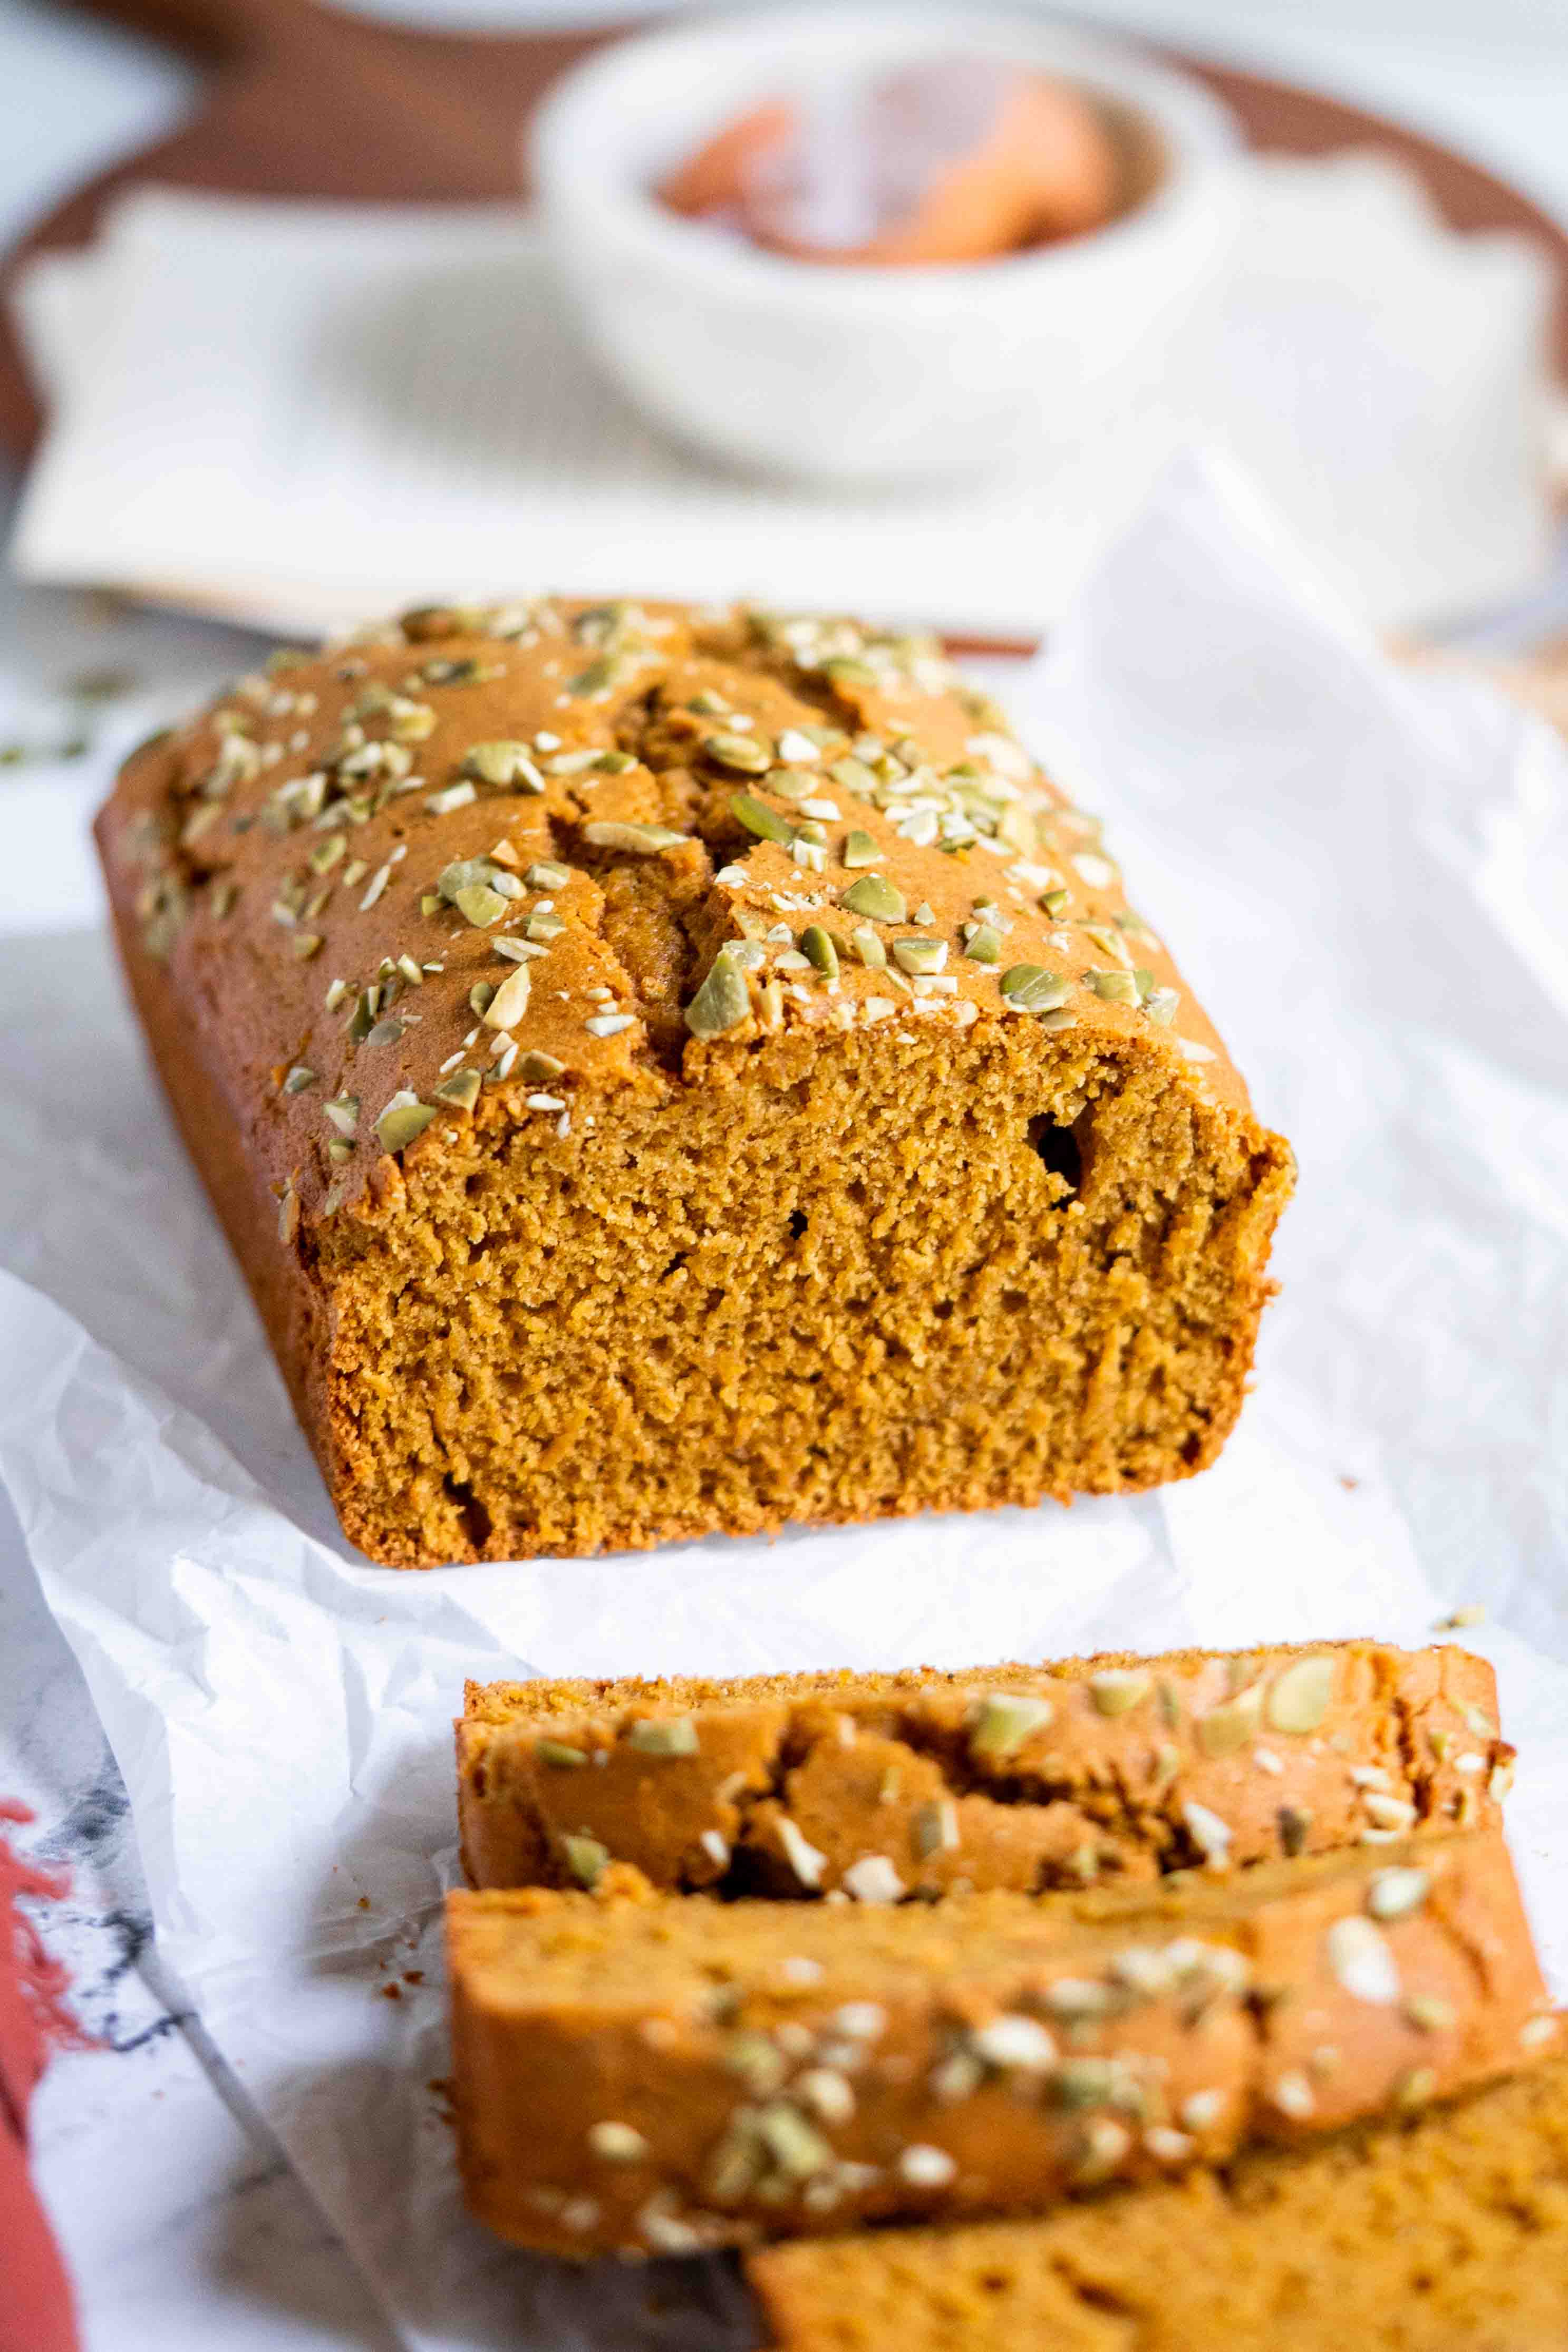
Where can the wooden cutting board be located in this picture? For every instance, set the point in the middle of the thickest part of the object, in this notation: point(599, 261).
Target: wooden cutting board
point(304, 99)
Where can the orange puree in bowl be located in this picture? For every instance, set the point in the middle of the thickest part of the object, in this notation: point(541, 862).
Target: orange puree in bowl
point(959, 160)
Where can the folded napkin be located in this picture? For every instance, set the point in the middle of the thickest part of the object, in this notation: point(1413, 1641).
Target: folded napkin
point(297, 413)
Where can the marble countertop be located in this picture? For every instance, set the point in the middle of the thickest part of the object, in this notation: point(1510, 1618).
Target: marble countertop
point(183, 2226)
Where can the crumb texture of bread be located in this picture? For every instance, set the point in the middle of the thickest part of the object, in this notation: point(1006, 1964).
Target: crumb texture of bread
point(641, 2073)
point(1107, 1769)
point(1449, 2234)
point(667, 1072)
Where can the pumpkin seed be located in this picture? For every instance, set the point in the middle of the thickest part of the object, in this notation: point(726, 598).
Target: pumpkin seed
point(673, 1735)
point(586, 1860)
point(1006, 1719)
point(1119, 1690)
point(722, 1001)
point(739, 751)
point(1298, 1698)
point(819, 945)
point(1028, 988)
point(404, 1118)
point(876, 897)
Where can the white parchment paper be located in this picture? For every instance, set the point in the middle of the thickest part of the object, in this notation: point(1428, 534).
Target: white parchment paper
point(1366, 878)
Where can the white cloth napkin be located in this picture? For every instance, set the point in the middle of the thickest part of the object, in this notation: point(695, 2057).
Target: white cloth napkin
point(301, 413)
point(1366, 877)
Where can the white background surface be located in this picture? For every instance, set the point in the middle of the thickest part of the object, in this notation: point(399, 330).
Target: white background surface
point(207, 2241)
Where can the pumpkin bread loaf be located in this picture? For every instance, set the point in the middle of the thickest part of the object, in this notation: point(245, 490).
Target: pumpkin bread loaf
point(919, 1784)
point(1449, 2234)
point(668, 1071)
point(652, 2073)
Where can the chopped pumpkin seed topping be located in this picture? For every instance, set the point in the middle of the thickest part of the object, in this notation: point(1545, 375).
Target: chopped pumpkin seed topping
point(586, 1860)
point(480, 904)
point(819, 947)
point(1118, 1690)
point(509, 1001)
point(876, 897)
point(1028, 988)
point(638, 840)
point(1115, 987)
point(738, 752)
point(460, 1088)
point(760, 820)
point(664, 1736)
point(451, 796)
point(722, 1001)
point(1005, 1720)
point(919, 955)
point(404, 1118)
point(347, 757)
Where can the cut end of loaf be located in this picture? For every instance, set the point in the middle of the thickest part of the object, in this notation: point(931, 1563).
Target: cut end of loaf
point(864, 1279)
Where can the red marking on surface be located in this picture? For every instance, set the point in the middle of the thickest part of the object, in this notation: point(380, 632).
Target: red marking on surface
point(35, 2312)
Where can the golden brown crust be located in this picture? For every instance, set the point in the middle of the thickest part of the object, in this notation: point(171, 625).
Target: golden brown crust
point(653, 2073)
point(1448, 2235)
point(640, 825)
point(1024, 1777)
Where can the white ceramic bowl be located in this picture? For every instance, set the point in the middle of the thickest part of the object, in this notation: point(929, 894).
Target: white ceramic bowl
point(864, 374)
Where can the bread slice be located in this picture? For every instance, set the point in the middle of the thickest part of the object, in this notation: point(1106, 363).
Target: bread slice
point(1449, 2235)
point(641, 2073)
point(1112, 1768)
